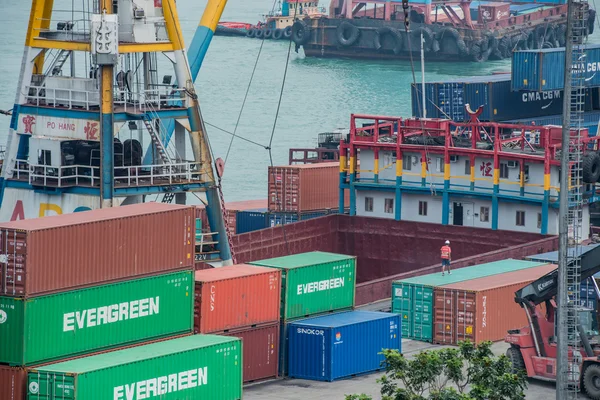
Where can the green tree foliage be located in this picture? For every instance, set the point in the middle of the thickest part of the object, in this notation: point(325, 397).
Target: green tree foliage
point(467, 373)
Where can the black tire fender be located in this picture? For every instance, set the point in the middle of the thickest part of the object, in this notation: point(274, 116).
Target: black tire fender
point(428, 36)
point(590, 166)
point(301, 32)
point(287, 32)
point(277, 34)
point(591, 20)
point(268, 33)
point(347, 34)
point(394, 33)
point(251, 33)
point(259, 33)
point(453, 34)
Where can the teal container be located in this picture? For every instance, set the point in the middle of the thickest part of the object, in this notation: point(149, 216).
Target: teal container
point(413, 298)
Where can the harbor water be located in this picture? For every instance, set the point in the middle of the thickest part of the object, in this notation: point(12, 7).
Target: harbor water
point(319, 94)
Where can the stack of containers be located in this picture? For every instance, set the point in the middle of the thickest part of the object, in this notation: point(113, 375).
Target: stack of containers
point(92, 282)
point(481, 309)
point(312, 284)
point(242, 301)
point(304, 191)
point(413, 298)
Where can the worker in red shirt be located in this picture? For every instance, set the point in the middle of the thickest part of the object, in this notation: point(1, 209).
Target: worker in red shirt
point(446, 257)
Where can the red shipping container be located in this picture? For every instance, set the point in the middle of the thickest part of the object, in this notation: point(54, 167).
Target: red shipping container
point(481, 309)
point(52, 254)
point(305, 187)
point(261, 351)
point(493, 12)
point(13, 383)
point(232, 209)
point(235, 297)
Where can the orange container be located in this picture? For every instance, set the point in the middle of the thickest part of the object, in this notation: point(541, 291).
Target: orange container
point(481, 309)
point(305, 187)
point(236, 296)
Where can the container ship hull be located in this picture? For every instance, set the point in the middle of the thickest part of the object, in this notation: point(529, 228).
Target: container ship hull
point(374, 38)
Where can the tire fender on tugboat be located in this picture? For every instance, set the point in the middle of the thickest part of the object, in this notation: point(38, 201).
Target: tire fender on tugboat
point(287, 32)
point(454, 36)
point(394, 33)
point(430, 44)
point(301, 32)
point(277, 34)
point(251, 33)
point(347, 33)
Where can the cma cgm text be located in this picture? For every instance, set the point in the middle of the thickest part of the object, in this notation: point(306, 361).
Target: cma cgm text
point(162, 385)
point(320, 285)
point(109, 314)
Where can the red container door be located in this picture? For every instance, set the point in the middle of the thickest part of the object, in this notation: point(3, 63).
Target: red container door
point(13, 383)
point(444, 316)
point(466, 309)
point(13, 247)
point(261, 351)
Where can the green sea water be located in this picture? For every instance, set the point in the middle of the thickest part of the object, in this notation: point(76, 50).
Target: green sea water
point(319, 94)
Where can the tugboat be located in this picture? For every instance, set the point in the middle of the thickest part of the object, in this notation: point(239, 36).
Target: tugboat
point(451, 31)
point(276, 25)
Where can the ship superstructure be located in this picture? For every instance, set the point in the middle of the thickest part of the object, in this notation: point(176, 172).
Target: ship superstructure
point(103, 89)
point(488, 175)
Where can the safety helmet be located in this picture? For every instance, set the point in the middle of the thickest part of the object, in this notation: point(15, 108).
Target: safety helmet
point(447, 242)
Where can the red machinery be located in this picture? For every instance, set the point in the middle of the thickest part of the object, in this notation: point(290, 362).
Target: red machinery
point(533, 347)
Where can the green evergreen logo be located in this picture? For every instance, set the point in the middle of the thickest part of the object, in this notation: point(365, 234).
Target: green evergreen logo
point(3, 316)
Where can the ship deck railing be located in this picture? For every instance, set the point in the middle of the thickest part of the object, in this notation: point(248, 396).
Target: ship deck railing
point(124, 176)
point(149, 100)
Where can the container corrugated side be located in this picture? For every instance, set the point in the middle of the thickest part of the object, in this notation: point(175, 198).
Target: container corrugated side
point(83, 321)
point(236, 296)
point(413, 298)
point(314, 282)
point(13, 383)
point(536, 69)
point(482, 309)
point(261, 351)
point(194, 367)
point(304, 187)
point(341, 345)
point(53, 254)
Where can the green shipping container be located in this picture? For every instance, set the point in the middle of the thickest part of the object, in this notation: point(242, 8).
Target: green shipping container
point(413, 298)
point(192, 367)
point(315, 282)
point(47, 328)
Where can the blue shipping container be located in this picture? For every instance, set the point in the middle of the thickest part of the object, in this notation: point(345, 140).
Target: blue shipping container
point(538, 70)
point(248, 221)
point(341, 345)
point(590, 121)
point(448, 99)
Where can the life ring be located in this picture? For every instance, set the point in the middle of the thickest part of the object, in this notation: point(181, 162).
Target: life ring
point(277, 34)
point(430, 42)
point(300, 32)
point(287, 32)
point(449, 37)
point(251, 33)
point(259, 33)
point(268, 33)
point(347, 34)
point(394, 33)
point(590, 166)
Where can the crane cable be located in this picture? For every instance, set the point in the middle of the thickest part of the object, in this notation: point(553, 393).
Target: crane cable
point(412, 67)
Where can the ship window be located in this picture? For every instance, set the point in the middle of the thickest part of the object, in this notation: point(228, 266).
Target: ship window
point(407, 163)
point(45, 157)
point(422, 208)
point(503, 171)
point(369, 204)
point(439, 164)
point(484, 214)
point(539, 221)
point(389, 206)
point(520, 218)
point(468, 167)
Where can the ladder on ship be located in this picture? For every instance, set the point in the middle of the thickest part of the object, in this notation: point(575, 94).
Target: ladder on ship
point(158, 144)
point(575, 200)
